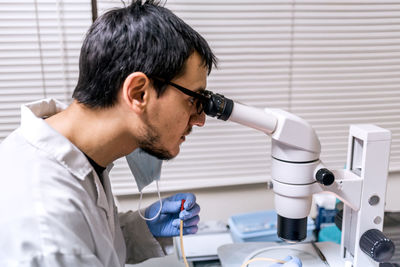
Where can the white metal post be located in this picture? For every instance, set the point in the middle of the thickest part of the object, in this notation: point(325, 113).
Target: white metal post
point(368, 158)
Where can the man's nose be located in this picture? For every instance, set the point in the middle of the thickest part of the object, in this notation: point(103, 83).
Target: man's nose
point(198, 119)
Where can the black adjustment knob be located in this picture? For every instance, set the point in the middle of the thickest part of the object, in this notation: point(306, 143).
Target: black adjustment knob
point(325, 176)
point(376, 245)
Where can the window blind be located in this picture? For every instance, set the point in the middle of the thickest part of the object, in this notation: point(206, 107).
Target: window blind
point(334, 63)
point(39, 50)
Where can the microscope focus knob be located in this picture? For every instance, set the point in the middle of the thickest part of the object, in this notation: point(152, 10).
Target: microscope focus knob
point(376, 245)
point(325, 176)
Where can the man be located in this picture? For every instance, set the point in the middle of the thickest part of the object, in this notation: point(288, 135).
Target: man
point(56, 201)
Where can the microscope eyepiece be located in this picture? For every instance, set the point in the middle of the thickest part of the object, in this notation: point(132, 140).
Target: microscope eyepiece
point(292, 230)
point(217, 105)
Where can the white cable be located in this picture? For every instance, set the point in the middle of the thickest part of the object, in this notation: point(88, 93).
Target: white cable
point(159, 211)
point(262, 259)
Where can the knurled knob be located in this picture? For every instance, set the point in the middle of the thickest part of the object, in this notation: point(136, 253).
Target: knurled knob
point(376, 245)
point(325, 176)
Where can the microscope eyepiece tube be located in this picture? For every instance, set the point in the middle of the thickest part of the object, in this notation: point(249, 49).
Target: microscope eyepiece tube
point(216, 105)
point(292, 230)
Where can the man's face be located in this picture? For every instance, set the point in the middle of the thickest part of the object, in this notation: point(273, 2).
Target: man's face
point(172, 115)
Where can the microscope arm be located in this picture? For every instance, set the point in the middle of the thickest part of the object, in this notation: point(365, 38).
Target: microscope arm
point(347, 187)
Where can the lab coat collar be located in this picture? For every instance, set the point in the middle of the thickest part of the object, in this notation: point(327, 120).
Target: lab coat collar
point(45, 138)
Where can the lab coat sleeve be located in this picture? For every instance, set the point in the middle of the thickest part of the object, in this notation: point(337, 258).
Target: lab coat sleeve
point(140, 242)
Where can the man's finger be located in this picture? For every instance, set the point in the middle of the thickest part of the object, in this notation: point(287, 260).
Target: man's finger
point(187, 214)
point(192, 221)
point(171, 206)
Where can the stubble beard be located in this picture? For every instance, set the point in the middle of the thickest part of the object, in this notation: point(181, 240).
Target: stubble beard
point(150, 144)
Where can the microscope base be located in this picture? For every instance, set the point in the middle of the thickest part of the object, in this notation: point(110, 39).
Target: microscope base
point(233, 255)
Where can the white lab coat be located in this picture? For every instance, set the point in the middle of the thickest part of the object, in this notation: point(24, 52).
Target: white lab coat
point(54, 210)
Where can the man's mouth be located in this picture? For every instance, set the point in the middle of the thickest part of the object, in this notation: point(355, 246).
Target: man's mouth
point(186, 133)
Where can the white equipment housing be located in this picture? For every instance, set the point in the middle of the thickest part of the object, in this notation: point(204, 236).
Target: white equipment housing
point(295, 162)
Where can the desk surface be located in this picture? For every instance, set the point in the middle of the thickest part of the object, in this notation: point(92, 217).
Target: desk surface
point(170, 260)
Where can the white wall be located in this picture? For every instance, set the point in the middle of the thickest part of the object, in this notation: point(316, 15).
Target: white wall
point(222, 202)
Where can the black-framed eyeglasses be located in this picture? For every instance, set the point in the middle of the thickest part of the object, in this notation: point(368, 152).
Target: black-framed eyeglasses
point(199, 98)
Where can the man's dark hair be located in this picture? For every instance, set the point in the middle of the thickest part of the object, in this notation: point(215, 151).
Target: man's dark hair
point(144, 37)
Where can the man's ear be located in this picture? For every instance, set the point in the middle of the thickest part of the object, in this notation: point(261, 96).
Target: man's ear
point(135, 91)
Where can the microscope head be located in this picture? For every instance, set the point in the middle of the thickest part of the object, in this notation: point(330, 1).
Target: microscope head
point(295, 155)
point(295, 151)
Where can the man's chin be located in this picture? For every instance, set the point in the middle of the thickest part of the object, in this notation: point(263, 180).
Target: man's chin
point(160, 153)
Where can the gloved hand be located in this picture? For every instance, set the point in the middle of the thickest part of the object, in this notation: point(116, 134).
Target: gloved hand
point(290, 262)
point(168, 222)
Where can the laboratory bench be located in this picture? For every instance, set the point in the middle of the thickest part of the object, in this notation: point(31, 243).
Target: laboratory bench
point(231, 253)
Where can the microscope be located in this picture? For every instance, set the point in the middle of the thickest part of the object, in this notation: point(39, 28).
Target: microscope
point(297, 173)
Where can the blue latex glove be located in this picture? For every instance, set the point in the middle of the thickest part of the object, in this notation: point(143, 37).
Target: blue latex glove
point(290, 262)
point(168, 222)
